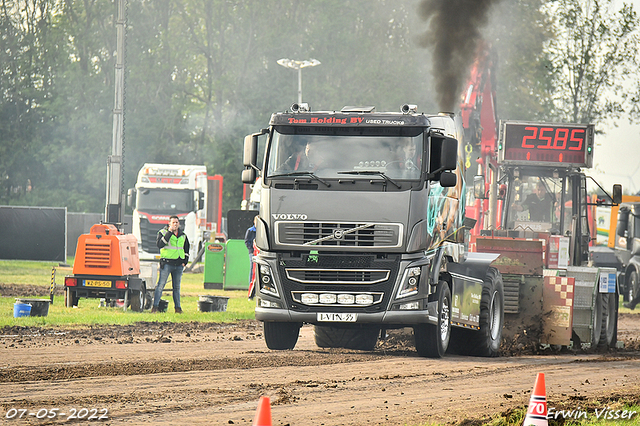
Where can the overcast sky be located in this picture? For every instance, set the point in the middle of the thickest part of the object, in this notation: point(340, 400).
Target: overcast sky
point(617, 154)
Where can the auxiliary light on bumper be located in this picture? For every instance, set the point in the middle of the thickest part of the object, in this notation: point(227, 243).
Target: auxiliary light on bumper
point(337, 298)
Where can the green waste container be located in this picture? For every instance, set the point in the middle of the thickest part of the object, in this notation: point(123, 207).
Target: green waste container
point(237, 266)
point(214, 265)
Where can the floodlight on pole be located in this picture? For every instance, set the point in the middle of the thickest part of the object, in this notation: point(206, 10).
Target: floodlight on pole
point(298, 65)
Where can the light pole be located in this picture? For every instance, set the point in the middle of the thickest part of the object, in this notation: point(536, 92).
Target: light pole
point(298, 65)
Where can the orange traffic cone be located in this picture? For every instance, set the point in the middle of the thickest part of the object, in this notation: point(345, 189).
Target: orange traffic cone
point(537, 412)
point(263, 413)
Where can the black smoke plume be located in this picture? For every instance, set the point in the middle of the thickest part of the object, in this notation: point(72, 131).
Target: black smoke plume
point(453, 34)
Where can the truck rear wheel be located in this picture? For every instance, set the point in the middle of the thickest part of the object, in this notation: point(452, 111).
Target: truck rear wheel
point(486, 341)
point(137, 298)
point(432, 340)
point(362, 339)
point(281, 335)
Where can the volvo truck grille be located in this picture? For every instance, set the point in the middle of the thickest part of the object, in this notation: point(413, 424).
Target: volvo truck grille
point(148, 235)
point(337, 276)
point(339, 234)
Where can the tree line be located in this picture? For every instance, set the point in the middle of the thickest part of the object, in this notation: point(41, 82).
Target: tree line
point(200, 74)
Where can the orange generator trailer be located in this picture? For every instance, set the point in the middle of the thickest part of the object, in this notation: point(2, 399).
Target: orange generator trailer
point(106, 266)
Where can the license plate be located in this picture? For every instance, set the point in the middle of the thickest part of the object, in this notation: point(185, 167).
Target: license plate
point(96, 283)
point(337, 317)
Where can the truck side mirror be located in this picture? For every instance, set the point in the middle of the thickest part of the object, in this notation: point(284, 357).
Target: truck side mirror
point(478, 187)
point(131, 197)
point(248, 175)
point(449, 154)
point(617, 193)
point(250, 155)
point(443, 155)
point(200, 200)
point(448, 179)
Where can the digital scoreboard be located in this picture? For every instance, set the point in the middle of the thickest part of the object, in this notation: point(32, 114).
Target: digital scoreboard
point(565, 145)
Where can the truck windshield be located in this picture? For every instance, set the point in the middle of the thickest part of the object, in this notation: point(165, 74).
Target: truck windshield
point(169, 201)
point(330, 156)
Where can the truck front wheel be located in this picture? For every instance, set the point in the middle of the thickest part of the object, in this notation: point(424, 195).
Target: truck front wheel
point(432, 340)
point(281, 335)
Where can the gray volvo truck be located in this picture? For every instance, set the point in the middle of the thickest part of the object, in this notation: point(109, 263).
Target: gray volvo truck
point(361, 229)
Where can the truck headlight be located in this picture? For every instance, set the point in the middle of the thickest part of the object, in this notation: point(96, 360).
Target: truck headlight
point(265, 280)
point(410, 282)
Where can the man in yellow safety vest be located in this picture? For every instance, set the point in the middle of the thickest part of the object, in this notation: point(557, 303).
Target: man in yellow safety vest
point(174, 256)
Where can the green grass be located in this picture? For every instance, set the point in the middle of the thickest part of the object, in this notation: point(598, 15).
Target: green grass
point(27, 272)
point(88, 311)
point(516, 417)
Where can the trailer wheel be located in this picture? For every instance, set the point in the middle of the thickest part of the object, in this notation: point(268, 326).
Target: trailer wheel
point(137, 298)
point(609, 331)
point(362, 339)
point(281, 335)
point(486, 341)
point(597, 319)
point(70, 298)
point(432, 340)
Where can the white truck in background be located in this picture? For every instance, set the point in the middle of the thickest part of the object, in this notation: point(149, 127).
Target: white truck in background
point(163, 190)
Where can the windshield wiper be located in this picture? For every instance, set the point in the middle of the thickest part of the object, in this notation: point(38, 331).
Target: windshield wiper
point(310, 174)
point(372, 173)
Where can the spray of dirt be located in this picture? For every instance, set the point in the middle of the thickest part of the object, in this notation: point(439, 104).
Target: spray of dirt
point(453, 33)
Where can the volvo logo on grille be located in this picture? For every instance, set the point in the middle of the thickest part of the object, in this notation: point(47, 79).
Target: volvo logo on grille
point(289, 216)
point(338, 234)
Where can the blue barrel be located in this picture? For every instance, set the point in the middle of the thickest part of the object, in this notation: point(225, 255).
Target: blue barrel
point(21, 310)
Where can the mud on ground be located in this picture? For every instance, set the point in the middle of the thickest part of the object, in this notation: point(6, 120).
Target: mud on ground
point(196, 373)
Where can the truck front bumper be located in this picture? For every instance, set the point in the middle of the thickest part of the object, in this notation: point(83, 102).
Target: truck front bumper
point(393, 318)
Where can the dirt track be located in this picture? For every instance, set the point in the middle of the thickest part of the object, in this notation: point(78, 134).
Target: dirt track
point(168, 373)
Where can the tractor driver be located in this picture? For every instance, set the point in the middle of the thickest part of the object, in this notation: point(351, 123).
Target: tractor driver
point(539, 204)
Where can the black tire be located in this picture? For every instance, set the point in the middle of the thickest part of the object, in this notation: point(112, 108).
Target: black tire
point(432, 340)
point(281, 335)
point(137, 298)
point(609, 330)
point(486, 341)
point(70, 298)
point(597, 320)
point(633, 289)
point(148, 301)
point(361, 338)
